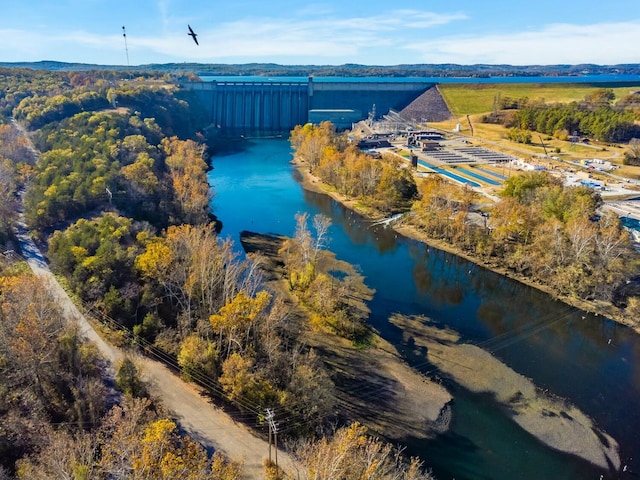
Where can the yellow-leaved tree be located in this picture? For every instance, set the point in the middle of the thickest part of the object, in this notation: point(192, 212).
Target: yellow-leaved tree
point(166, 456)
point(235, 321)
point(188, 174)
point(351, 454)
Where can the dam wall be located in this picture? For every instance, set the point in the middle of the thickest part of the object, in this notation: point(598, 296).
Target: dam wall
point(277, 105)
point(253, 106)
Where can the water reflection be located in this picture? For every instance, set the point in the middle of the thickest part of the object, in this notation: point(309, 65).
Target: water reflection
point(589, 360)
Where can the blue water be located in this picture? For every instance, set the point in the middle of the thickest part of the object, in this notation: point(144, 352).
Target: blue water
point(545, 340)
point(448, 173)
point(563, 79)
point(489, 172)
point(630, 223)
point(482, 178)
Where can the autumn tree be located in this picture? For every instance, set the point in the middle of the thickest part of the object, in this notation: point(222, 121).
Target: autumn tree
point(187, 170)
point(632, 154)
point(8, 201)
point(612, 245)
point(244, 384)
point(65, 456)
point(396, 186)
point(310, 140)
point(121, 431)
point(524, 187)
point(48, 373)
point(301, 252)
point(198, 357)
point(441, 208)
point(235, 321)
point(141, 175)
point(600, 96)
point(97, 257)
point(196, 271)
point(352, 454)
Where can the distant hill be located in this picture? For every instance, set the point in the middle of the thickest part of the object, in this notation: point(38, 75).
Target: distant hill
point(351, 70)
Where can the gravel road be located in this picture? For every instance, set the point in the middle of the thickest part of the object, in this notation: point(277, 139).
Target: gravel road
point(205, 423)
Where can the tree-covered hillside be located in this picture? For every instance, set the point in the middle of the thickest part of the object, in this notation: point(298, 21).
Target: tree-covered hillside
point(117, 195)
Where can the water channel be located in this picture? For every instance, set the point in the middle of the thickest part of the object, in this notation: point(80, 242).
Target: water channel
point(588, 360)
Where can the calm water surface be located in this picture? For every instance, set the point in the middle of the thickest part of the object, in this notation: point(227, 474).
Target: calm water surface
point(545, 340)
point(530, 79)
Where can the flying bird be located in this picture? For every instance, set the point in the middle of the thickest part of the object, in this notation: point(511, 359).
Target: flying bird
point(193, 34)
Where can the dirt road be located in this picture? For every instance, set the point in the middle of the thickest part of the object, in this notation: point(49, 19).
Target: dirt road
point(205, 423)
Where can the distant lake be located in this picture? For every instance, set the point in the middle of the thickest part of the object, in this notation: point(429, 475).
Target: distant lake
point(559, 79)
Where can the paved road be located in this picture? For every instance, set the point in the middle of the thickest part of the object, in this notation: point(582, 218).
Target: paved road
point(196, 415)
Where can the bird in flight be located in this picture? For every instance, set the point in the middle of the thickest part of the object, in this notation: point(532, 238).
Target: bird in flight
point(193, 34)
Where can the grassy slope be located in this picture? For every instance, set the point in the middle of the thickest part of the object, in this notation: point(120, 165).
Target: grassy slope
point(477, 99)
point(471, 99)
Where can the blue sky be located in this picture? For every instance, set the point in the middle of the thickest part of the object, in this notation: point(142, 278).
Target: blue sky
point(331, 32)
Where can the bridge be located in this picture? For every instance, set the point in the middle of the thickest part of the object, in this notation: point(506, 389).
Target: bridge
point(278, 105)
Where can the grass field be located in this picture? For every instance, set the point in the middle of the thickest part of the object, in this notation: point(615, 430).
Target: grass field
point(463, 99)
point(476, 100)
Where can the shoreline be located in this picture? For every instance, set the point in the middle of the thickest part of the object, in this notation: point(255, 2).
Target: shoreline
point(375, 385)
point(313, 183)
point(551, 420)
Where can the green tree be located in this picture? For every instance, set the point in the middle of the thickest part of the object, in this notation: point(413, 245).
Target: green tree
point(128, 379)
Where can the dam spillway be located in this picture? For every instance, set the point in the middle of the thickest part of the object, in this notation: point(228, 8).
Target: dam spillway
point(277, 105)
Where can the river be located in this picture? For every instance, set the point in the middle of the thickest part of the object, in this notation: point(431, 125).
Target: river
point(588, 360)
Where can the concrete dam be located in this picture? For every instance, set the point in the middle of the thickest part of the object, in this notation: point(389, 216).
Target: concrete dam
point(278, 105)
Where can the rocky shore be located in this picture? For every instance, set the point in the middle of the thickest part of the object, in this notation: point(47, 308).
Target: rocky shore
point(550, 419)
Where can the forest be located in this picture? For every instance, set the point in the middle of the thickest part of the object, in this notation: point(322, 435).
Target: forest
point(350, 70)
point(116, 194)
point(594, 117)
point(539, 230)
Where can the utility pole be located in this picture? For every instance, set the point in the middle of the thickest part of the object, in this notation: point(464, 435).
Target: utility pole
point(470, 125)
point(543, 146)
point(273, 428)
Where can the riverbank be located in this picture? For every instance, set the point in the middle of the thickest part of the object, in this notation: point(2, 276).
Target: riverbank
point(550, 419)
point(313, 183)
point(373, 384)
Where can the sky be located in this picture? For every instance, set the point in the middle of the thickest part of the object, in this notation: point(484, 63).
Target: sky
point(330, 32)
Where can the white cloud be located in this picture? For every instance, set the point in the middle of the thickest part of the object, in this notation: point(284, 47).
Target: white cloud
point(20, 45)
point(606, 43)
point(313, 33)
point(316, 37)
point(400, 36)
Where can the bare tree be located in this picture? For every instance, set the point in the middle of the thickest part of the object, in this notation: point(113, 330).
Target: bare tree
point(321, 224)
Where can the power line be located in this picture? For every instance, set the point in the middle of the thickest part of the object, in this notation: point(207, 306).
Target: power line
point(491, 345)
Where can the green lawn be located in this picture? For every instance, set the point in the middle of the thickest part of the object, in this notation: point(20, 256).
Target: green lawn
point(471, 99)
